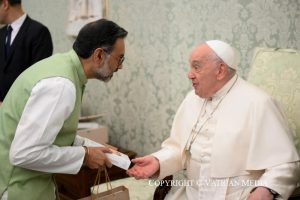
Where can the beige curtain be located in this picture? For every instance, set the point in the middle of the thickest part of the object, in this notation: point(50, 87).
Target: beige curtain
point(82, 12)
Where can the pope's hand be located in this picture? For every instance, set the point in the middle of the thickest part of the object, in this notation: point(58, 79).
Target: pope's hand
point(260, 193)
point(144, 167)
point(96, 157)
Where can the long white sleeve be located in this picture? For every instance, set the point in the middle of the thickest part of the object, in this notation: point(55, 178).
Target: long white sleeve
point(51, 102)
point(81, 141)
point(282, 178)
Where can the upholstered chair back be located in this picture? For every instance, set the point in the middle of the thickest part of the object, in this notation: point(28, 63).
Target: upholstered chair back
point(277, 71)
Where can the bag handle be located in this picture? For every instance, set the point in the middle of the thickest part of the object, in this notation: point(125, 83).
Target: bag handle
point(98, 178)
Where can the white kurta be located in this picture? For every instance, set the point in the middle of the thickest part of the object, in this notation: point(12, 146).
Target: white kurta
point(222, 152)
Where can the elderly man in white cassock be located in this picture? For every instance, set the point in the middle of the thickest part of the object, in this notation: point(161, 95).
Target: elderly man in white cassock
point(230, 136)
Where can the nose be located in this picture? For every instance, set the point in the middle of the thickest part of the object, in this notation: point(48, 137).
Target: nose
point(190, 74)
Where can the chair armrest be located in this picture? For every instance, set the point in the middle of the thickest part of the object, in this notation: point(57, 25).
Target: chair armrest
point(296, 194)
point(162, 190)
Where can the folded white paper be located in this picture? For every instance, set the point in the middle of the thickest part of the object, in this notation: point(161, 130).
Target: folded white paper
point(116, 158)
point(119, 159)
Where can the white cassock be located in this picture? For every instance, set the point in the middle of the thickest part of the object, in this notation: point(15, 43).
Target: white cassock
point(246, 143)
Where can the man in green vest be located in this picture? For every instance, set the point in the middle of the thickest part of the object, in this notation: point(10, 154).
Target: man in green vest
point(39, 115)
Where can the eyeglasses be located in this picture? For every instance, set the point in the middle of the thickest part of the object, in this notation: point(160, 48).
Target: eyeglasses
point(120, 60)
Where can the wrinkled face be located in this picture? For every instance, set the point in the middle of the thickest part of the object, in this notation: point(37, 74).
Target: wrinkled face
point(112, 62)
point(203, 72)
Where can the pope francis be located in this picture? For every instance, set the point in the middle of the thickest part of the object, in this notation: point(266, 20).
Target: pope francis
point(230, 136)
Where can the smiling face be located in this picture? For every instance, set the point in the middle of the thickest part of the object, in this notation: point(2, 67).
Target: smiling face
point(205, 71)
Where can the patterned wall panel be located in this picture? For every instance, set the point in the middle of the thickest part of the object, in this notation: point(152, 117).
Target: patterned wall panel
point(142, 98)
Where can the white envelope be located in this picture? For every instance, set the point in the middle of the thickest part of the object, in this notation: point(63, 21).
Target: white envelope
point(119, 159)
point(116, 158)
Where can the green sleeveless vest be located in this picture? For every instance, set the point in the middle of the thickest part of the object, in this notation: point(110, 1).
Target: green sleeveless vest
point(23, 183)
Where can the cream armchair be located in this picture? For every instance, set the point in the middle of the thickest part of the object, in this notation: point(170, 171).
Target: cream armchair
point(277, 71)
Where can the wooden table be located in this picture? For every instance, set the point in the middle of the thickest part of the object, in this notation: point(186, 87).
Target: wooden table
point(78, 186)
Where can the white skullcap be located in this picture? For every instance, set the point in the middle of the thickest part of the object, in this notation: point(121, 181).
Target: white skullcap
point(225, 52)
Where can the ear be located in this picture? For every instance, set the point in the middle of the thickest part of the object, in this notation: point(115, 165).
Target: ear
point(5, 4)
point(222, 71)
point(98, 55)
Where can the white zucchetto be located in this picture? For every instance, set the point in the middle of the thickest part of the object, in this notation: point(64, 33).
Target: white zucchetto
point(225, 52)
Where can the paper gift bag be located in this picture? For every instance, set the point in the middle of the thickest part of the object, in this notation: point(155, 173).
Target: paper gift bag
point(117, 193)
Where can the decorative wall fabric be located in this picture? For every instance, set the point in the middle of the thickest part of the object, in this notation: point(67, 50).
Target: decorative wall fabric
point(82, 12)
point(142, 98)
